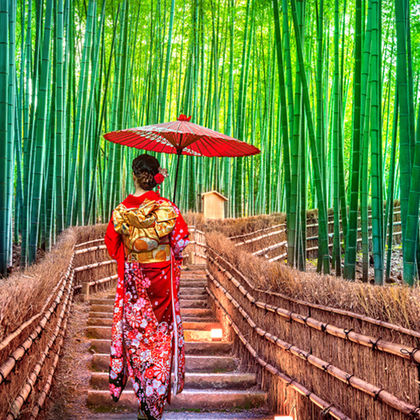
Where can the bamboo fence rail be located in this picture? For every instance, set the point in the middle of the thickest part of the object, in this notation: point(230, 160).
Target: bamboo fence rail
point(32, 378)
point(308, 305)
point(94, 268)
point(326, 407)
point(271, 242)
point(24, 347)
point(27, 370)
point(30, 321)
point(245, 235)
point(350, 379)
point(83, 244)
point(343, 333)
point(90, 249)
point(318, 347)
point(47, 334)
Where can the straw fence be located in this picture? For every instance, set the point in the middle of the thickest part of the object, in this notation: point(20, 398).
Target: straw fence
point(34, 307)
point(359, 361)
point(270, 242)
point(315, 360)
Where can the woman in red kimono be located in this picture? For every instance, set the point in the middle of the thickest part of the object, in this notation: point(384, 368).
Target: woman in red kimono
point(146, 235)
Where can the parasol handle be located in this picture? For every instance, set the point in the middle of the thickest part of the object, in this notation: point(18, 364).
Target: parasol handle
point(179, 152)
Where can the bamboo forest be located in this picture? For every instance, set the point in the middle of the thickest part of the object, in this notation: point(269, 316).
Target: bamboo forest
point(328, 90)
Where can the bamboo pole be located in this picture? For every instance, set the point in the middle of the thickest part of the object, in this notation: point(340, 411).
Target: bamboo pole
point(33, 377)
point(329, 309)
point(376, 392)
point(329, 408)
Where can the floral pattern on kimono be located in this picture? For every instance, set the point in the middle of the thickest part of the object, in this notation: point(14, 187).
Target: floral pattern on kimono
point(144, 345)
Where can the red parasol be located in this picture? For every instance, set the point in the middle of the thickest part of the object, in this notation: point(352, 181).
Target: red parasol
point(182, 137)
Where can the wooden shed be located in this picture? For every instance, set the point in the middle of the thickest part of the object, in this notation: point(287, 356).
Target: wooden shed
point(213, 205)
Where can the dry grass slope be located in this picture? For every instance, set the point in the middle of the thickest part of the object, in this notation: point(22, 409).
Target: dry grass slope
point(391, 303)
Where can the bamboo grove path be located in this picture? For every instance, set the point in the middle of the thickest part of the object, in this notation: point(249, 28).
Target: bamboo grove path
point(340, 362)
point(216, 385)
point(277, 355)
point(214, 380)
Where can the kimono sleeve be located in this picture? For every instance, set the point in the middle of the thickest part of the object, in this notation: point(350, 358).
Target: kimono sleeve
point(114, 245)
point(179, 237)
point(120, 222)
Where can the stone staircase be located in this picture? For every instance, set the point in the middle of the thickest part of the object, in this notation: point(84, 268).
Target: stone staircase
point(213, 382)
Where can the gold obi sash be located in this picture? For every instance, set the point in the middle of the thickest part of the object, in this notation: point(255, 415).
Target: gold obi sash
point(145, 230)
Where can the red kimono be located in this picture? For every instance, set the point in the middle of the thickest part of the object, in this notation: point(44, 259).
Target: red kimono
point(146, 236)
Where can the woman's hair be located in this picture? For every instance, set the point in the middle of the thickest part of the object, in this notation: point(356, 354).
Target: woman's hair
point(145, 167)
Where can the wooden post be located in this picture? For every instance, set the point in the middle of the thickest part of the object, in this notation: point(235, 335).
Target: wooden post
point(85, 291)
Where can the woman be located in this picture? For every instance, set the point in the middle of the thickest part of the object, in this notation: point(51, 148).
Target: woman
point(146, 235)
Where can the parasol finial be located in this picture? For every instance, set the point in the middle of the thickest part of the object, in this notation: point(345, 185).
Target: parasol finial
point(183, 117)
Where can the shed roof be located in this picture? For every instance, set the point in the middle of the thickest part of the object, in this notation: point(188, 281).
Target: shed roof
point(214, 192)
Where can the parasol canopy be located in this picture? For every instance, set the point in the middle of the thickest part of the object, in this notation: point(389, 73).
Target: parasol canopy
point(182, 137)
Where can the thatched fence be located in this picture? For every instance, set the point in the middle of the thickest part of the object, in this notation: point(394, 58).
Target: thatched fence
point(319, 345)
point(34, 308)
point(313, 359)
point(270, 241)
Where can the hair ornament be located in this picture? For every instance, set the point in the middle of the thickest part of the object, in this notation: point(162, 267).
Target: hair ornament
point(159, 178)
point(163, 171)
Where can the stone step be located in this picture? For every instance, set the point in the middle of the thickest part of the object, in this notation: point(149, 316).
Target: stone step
point(201, 325)
point(210, 348)
point(193, 363)
point(100, 322)
point(196, 312)
point(197, 291)
point(193, 303)
point(192, 291)
point(199, 312)
point(187, 399)
point(97, 307)
point(195, 380)
point(192, 283)
point(193, 274)
point(189, 297)
point(93, 314)
point(189, 335)
point(194, 267)
point(187, 325)
point(185, 318)
point(185, 303)
point(102, 301)
point(261, 413)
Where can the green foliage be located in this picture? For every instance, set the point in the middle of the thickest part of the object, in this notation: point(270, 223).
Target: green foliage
point(286, 84)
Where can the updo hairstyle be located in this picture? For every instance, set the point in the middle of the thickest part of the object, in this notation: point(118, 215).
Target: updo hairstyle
point(145, 167)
